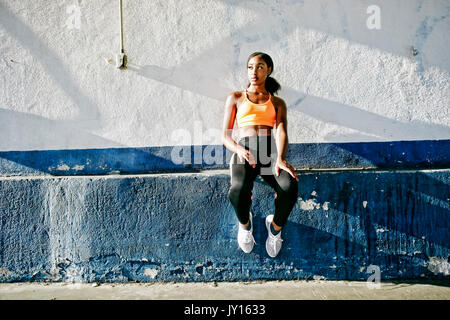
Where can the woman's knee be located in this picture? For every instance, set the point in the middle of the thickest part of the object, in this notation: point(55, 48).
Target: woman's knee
point(237, 189)
point(288, 185)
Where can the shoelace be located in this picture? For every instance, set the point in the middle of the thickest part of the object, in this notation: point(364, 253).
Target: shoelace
point(248, 237)
point(274, 240)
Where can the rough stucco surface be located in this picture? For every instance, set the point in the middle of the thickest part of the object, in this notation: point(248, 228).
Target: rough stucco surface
point(181, 227)
point(65, 109)
point(341, 80)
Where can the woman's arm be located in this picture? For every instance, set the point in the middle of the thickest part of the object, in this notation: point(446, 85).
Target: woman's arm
point(281, 130)
point(228, 124)
point(282, 140)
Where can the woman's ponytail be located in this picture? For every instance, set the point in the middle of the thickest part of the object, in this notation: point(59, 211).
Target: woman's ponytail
point(272, 85)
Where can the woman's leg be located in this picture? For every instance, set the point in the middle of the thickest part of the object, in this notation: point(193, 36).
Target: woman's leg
point(286, 188)
point(242, 177)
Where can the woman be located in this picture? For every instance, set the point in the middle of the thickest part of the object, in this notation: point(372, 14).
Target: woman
point(256, 111)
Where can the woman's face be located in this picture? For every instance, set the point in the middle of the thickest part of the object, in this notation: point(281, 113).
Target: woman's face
point(257, 71)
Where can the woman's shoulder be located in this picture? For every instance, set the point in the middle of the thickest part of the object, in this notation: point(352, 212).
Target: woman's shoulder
point(236, 94)
point(277, 101)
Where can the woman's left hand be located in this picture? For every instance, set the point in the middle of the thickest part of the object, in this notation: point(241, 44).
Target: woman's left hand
point(284, 165)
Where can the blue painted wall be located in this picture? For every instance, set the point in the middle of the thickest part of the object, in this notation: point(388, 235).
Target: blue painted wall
point(418, 154)
point(181, 227)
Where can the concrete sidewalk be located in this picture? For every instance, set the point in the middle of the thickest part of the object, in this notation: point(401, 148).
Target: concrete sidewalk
point(260, 290)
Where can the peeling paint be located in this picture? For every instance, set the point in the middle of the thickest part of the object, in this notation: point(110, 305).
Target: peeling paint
point(309, 205)
point(152, 273)
point(439, 265)
point(78, 167)
point(5, 272)
point(199, 268)
point(312, 204)
point(63, 167)
point(364, 204)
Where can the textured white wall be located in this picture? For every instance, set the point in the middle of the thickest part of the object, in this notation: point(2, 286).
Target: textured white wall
point(341, 80)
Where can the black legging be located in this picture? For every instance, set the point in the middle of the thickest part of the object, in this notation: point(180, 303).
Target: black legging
point(243, 175)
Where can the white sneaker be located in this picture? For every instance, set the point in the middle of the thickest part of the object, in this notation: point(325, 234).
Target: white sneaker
point(273, 243)
point(245, 237)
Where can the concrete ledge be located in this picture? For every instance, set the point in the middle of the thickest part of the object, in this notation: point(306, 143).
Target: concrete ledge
point(181, 227)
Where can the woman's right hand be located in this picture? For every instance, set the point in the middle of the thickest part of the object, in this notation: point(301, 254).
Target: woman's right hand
point(247, 155)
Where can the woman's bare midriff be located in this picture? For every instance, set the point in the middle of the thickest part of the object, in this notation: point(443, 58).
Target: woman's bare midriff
point(257, 130)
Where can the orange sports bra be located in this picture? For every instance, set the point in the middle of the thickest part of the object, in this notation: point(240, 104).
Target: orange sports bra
point(250, 114)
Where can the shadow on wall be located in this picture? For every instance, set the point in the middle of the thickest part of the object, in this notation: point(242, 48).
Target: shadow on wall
point(376, 126)
point(88, 110)
point(319, 108)
point(73, 162)
point(204, 85)
point(23, 130)
point(276, 22)
point(200, 81)
point(195, 76)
